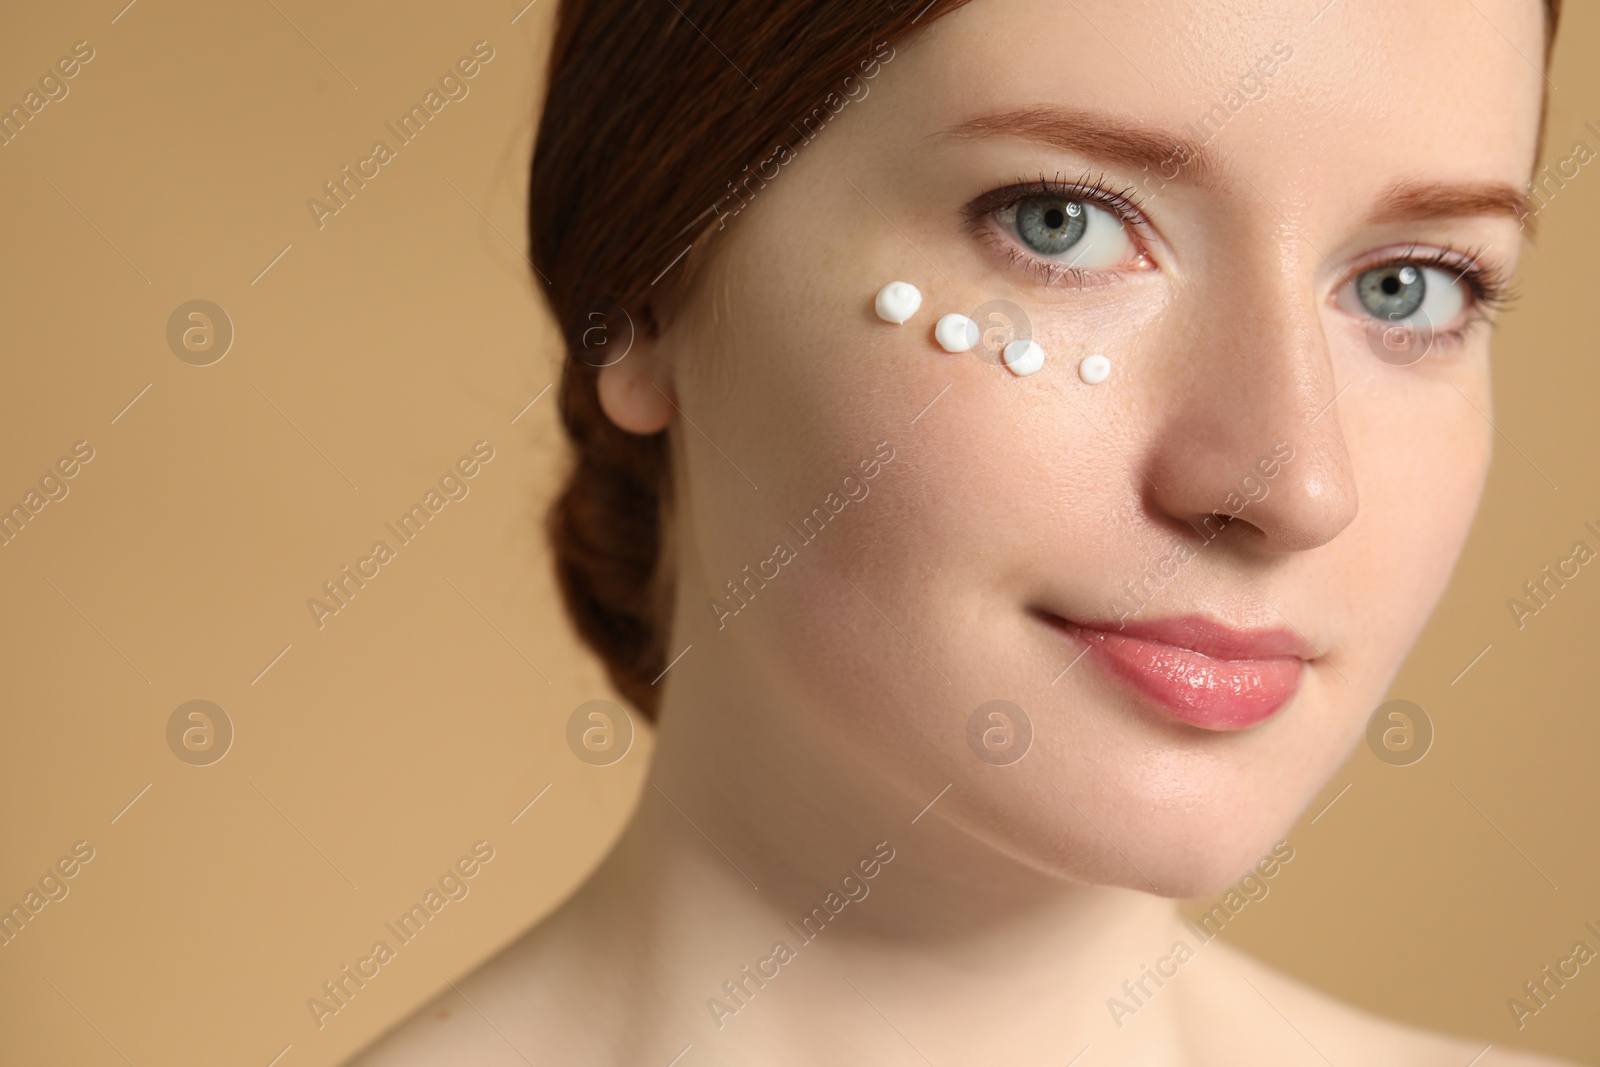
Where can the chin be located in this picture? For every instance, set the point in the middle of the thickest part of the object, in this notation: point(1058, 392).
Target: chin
point(1126, 797)
point(1169, 854)
point(1176, 855)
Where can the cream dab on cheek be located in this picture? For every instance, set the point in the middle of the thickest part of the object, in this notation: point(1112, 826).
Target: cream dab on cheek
point(956, 333)
point(1023, 357)
point(1094, 369)
point(897, 302)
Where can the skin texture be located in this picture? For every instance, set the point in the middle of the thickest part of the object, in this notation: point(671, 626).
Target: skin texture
point(825, 715)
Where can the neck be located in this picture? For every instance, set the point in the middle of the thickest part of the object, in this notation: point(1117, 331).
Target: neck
point(770, 880)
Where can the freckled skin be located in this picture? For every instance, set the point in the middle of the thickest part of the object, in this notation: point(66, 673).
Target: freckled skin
point(832, 708)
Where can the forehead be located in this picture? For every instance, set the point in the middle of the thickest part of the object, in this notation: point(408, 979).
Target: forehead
point(1348, 91)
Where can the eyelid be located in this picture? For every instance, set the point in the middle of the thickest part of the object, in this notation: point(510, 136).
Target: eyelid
point(1487, 288)
point(1124, 203)
point(1486, 283)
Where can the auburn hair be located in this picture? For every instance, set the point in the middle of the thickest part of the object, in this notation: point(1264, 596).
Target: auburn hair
point(657, 113)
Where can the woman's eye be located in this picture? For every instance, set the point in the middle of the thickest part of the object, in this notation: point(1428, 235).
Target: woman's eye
point(1407, 294)
point(1070, 233)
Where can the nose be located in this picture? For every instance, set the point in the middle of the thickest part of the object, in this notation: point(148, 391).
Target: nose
point(1250, 436)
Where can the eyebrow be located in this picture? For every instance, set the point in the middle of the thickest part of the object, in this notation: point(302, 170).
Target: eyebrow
point(1143, 147)
point(1413, 200)
point(1151, 148)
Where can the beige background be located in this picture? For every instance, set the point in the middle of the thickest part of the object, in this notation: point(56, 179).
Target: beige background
point(370, 754)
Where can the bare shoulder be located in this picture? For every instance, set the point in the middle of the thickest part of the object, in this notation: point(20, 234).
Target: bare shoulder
point(1326, 1028)
point(435, 1035)
point(495, 1015)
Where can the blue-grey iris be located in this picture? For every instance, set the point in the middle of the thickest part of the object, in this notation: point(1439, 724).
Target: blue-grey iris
point(1393, 292)
point(1051, 225)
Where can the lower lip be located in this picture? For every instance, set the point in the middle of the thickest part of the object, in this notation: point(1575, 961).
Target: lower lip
point(1214, 694)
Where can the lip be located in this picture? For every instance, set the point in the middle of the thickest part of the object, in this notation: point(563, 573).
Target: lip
point(1197, 670)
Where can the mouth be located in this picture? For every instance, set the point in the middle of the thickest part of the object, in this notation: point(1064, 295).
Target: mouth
point(1196, 670)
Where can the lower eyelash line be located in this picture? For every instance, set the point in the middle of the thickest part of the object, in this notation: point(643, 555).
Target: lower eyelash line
point(1050, 272)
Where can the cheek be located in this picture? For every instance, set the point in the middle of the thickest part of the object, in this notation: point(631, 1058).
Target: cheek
point(793, 384)
point(1421, 454)
point(874, 617)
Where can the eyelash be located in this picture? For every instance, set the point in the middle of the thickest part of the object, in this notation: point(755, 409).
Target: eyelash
point(1121, 202)
point(1489, 290)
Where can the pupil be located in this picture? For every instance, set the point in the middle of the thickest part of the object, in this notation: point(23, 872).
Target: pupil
point(1391, 285)
point(1050, 225)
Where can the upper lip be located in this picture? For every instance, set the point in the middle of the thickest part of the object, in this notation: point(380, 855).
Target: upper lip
point(1206, 636)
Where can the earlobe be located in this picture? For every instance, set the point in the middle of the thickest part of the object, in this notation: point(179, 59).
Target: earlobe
point(632, 398)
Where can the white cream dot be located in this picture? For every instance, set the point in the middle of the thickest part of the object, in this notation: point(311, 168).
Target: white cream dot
point(897, 302)
point(1023, 357)
point(956, 333)
point(1094, 369)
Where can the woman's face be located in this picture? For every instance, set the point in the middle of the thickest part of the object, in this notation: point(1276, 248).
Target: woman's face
point(1280, 227)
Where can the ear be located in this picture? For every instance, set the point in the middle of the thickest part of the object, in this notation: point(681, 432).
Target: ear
point(636, 392)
